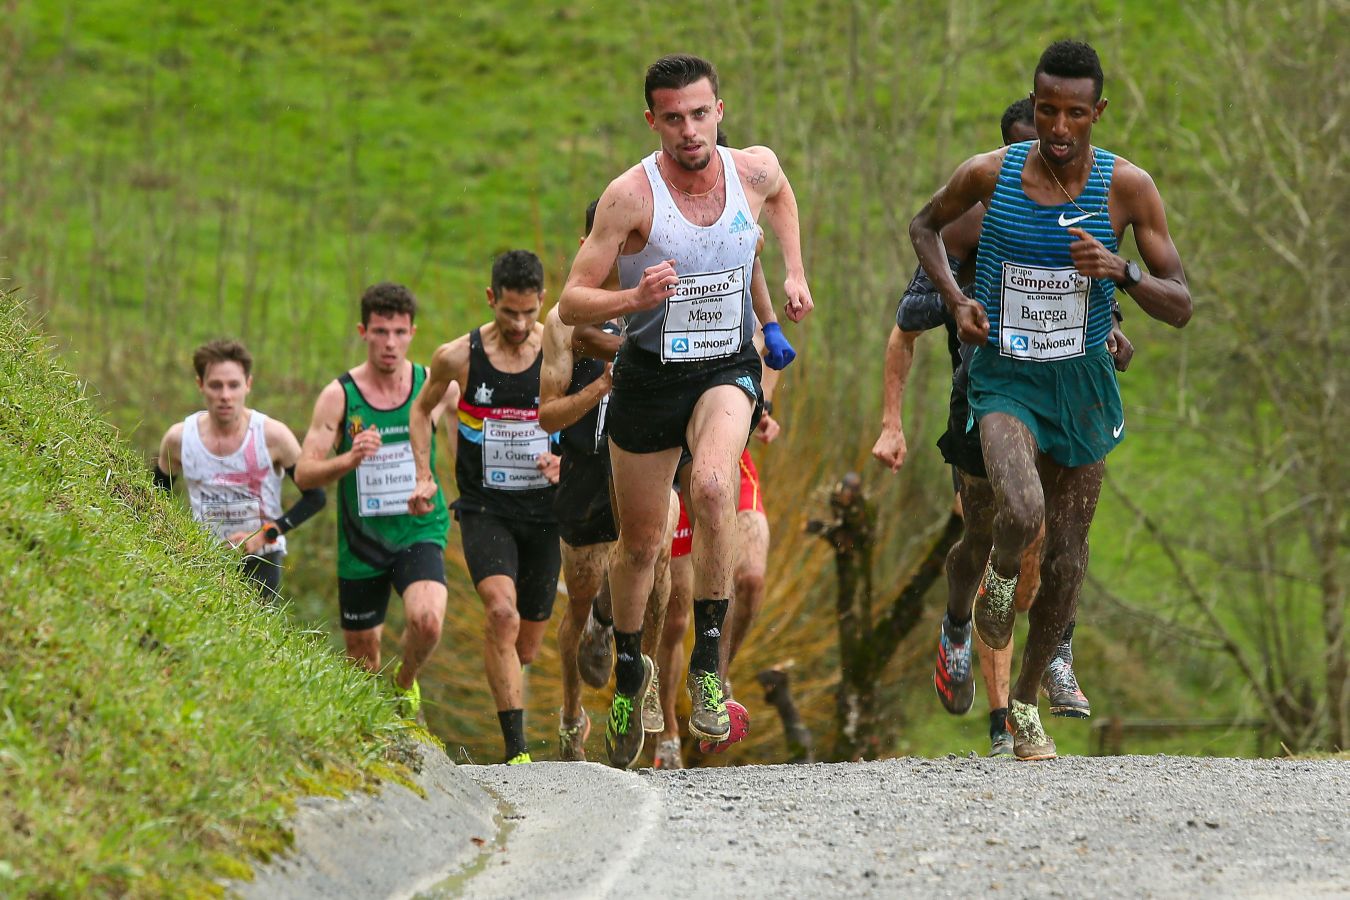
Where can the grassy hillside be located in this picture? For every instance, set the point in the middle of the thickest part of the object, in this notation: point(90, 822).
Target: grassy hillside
point(176, 173)
point(155, 720)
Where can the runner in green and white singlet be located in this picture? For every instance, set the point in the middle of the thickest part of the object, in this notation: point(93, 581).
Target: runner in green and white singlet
point(363, 418)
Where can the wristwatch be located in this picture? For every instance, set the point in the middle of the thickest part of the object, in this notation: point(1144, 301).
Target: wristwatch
point(1133, 275)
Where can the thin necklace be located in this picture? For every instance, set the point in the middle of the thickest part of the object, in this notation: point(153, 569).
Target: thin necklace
point(1046, 163)
point(721, 169)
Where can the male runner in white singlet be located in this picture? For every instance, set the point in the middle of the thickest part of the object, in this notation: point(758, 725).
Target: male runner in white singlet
point(681, 227)
point(231, 458)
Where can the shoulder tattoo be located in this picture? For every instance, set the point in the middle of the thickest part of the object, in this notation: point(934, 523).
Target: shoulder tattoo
point(759, 177)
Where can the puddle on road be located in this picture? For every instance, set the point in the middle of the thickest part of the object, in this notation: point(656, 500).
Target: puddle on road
point(457, 884)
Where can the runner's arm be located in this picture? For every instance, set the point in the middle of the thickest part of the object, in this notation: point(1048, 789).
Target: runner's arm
point(449, 365)
point(780, 207)
point(890, 449)
point(594, 342)
point(1163, 292)
point(619, 213)
point(285, 452)
point(557, 408)
point(973, 182)
point(315, 468)
point(169, 461)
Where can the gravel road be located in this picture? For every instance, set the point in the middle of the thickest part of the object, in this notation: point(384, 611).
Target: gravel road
point(955, 827)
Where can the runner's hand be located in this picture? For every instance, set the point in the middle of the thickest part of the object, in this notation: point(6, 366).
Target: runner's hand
point(421, 500)
point(657, 285)
point(605, 383)
point(1091, 258)
point(1120, 348)
point(550, 465)
point(247, 542)
point(777, 351)
point(365, 445)
point(768, 429)
point(799, 301)
point(890, 448)
point(972, 325)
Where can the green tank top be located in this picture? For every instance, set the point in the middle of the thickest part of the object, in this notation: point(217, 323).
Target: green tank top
point(373, 520)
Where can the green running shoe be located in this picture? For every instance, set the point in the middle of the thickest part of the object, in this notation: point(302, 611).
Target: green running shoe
point(1029, 739)
point(708, 716)
point(994, 614)
point(410, 702)
point(624, 733)
point(519, 759)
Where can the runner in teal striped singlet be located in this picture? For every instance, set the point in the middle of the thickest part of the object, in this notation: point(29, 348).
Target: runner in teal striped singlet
point(1041, 382)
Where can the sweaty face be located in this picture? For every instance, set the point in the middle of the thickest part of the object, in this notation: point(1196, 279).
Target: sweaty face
point(1065, 111)
point(225, 387)
point(686, 119)
point(387, 339)
point(515, 313)
point(1021, 131)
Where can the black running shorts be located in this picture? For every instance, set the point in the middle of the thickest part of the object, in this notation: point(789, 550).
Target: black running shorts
point(526, 552)
point(264, 570)
point(581, 502)
point(652, 402)
point(364, 601)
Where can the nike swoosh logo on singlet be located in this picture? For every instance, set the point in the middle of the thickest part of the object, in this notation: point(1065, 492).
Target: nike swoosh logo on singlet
point(1065, 223)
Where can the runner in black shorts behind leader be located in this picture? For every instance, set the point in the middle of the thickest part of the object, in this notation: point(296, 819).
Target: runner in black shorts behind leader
point(505, 468)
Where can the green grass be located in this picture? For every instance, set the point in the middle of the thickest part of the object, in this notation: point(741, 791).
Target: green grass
point(155, 719)
point(173, 173)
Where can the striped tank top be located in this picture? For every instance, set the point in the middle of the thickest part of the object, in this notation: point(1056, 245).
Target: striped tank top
point(1040, 308)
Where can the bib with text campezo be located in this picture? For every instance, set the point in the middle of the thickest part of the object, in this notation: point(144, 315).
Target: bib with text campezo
point(1042, 312)
point(703, 319)
point(385, 481)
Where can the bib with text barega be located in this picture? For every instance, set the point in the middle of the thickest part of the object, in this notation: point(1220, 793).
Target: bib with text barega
point(1043, 312)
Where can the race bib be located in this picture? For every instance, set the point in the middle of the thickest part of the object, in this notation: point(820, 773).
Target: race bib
point(703, 319)
point(1043, 312)
point(225, 512)
point(510, 450)
point(385, 481)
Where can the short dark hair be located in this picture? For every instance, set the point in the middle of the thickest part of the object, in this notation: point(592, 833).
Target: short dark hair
point(387, 299)
point(676, 71)
point(220, 351)
point(1071, 59)
point(1021, 111)
point(590, 214)
point(517, 270)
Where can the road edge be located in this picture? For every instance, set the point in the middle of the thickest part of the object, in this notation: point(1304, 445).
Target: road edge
point(391, 844)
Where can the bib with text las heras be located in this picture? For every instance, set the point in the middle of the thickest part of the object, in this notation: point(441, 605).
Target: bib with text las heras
point(703, 319)
point(386, 480)
point(510, 451)
point(1043, 312)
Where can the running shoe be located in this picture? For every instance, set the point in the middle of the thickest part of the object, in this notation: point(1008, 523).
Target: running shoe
point(595, 654)
point(1000, 740)
point(740, 727)
point(1029, 739)
point(1058, 683)
point(953, 678)
point(410, 702)
point(668, 755)
point(519, 759)
point(623, 732)
point(994, 613)
point(572, 737)
point(708, 717)
point(653, 719)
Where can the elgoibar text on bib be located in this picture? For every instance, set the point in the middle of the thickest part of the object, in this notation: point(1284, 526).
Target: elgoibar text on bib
point(703, 319)
point(386, 480)
point(510, 451)
point(1043, 312)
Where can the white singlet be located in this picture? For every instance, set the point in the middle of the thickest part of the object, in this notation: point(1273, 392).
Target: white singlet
point(232, 493)
point(711, 315)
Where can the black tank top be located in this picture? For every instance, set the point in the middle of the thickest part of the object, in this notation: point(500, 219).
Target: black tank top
point(587, 434)
point(500, 439)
